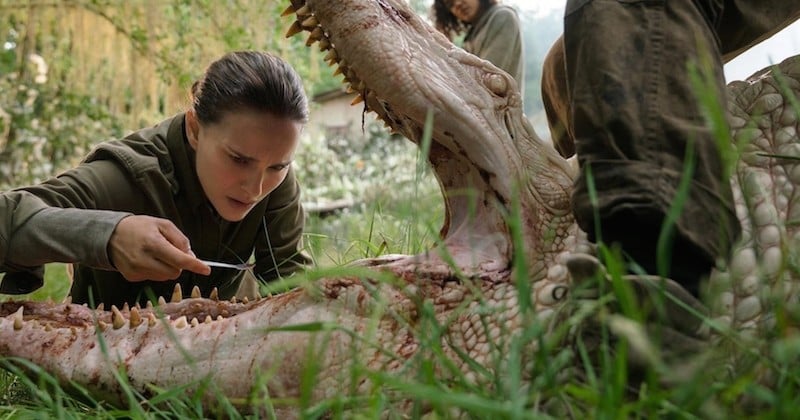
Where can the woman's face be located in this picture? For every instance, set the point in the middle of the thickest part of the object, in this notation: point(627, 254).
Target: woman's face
point(242, 158)
point(464, 10)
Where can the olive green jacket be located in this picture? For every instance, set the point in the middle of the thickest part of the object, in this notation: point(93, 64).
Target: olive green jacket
point(497, 38)
point(71, 217)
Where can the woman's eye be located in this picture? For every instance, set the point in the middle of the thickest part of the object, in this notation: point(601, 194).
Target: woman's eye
point(239, 160)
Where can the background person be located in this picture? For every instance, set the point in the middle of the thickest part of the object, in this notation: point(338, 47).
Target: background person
point(492, 32)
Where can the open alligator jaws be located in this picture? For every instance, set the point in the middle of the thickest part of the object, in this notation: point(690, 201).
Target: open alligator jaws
point(507, 236)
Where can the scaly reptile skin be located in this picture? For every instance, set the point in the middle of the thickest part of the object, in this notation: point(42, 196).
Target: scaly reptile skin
point(490, 164)
point(763, 115)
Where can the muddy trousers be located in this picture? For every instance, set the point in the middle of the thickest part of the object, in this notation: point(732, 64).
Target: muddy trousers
point(644, 78)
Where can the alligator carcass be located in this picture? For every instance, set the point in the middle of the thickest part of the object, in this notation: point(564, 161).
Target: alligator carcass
point(475, 307)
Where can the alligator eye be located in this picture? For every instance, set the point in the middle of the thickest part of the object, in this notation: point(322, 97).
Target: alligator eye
point(497, 84)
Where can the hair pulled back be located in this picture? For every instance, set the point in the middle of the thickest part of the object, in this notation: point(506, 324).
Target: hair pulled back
point(249, 80)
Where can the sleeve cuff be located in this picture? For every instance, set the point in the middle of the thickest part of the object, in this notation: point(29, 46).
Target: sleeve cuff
point(65, 235)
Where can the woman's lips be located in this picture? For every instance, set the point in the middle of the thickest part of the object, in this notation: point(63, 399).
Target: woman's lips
point(240, 203)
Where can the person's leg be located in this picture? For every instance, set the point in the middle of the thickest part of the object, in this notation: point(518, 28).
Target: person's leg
point(635, 113)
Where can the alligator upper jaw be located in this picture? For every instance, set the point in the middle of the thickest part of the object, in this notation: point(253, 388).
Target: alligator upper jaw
point(393, 57)
point(181, 311)
point(483, 149)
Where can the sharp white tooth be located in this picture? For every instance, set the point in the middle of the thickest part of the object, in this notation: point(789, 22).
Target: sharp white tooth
point(220, 318)
point(214, 295)
point(149, 305)
point(315, 36)
point(18, 319)
point(100, 307)
point(181, 322)
point(295, 29)
point(310, 22)
point(331, 57)
point(208, 319)
point(289, 10)
point(195, 292)
point(161, 301)
point(102, 325)
point(117, 320)
point(324, 44)
point(318, 33)
point(151, 319)
point(68, 300)
point(195, 322)
point(136, 318)
point(125, 307)
point(177, 293)
point(233, 299)
point(358, 99)
point(304, 10)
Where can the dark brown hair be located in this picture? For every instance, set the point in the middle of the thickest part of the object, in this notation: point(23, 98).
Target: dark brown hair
point(447, 23)
point(250, 80)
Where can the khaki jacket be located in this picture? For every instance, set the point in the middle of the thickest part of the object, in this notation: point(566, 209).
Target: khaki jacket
point(70, 219)
point(497, 38)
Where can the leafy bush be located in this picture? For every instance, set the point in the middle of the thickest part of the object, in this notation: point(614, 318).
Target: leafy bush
point(44, 128)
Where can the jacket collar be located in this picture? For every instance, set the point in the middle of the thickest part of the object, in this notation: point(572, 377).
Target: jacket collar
point(183, 159)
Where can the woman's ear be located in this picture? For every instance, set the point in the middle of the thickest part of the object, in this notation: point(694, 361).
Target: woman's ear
point(192, 128)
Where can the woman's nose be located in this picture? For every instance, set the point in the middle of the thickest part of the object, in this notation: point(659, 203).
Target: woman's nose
point(261, 183)
point(254, 184)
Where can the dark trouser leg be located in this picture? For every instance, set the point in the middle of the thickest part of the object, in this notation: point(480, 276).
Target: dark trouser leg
point(635, 113)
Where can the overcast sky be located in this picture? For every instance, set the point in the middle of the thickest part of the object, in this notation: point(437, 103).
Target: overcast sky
point(772, 51)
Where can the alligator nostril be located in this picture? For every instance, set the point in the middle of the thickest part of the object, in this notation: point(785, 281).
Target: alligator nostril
point(497, 84)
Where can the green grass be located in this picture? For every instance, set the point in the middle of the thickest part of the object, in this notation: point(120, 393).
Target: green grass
point(56, 285)
point(603, 391)
point(383, 226)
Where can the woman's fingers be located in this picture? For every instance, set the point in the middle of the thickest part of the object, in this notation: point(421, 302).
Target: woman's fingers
point(180, 254)
point(150, 248)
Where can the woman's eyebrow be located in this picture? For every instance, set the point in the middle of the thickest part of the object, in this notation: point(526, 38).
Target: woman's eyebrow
point(239, 154)
point(285, 163)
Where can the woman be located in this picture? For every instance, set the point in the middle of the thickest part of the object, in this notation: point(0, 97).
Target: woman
point(138, 214)
point(492, 32)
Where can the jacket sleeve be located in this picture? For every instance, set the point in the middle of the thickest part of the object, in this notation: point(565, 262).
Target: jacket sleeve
point(280, 253)
point(58, 221)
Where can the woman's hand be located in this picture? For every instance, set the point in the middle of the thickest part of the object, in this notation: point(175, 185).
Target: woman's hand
point(150, 248)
